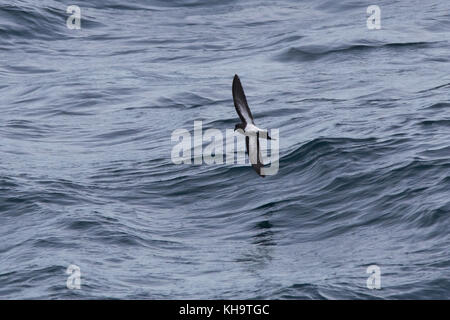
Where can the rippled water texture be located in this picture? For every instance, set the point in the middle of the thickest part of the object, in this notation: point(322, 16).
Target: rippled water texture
point(86, 176)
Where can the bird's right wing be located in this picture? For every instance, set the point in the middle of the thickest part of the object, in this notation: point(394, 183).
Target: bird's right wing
point(254, 153)
point(240, 101)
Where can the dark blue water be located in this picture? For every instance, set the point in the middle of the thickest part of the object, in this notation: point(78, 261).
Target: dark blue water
point(86, 176)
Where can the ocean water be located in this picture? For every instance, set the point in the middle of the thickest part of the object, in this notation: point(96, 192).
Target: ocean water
point(87, 179)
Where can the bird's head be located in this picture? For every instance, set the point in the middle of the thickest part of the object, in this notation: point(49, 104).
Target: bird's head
point(239, 126)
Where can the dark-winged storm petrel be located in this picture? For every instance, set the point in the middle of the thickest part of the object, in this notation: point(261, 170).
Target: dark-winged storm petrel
point(248, 128)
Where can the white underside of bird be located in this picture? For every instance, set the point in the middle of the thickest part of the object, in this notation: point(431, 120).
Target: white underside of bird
point(251, 130)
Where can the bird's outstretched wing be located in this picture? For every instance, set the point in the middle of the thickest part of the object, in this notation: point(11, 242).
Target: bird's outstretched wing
point(240, 102)
point(254, 153)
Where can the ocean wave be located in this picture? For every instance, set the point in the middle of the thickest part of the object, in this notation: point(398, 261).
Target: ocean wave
point(86, 175)
point(314, 52)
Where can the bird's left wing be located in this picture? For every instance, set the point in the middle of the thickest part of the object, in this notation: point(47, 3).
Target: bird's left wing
point(240, 101)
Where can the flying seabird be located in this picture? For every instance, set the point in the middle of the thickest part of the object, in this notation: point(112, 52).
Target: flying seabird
point(249, 129)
